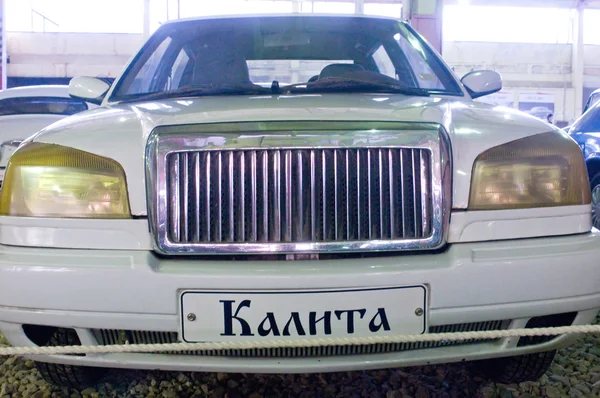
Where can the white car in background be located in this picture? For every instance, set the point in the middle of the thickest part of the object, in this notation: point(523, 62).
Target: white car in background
point(26, 110)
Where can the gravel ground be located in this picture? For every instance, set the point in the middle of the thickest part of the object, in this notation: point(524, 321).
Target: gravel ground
point(575, 373)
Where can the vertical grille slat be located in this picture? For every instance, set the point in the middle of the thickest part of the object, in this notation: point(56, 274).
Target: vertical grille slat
point(276, 213)
point(359, 216)
point(313, 196)
point(415, 192)
point(299, 195)
point(241, 223)
point(299, 221)
point(207, 202)
point(253, 195)
point(219, 199)
point(426, 209)
point(348, 210)
point(265, 196)
point(231, 191)
point(197, 199)
point(402, 193)
point(370, 214)
point(381, 198)
point(336, 209)
point(324, 214)
point(185, 196)
point(393, 233)
point(288, 195)
point(174, 214)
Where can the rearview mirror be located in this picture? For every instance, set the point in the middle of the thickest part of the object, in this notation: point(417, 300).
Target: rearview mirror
point(89, 89)
point(482, 82)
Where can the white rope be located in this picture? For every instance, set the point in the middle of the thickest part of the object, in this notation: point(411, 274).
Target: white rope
point(311, 342)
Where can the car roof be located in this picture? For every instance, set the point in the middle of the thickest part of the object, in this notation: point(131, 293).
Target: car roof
point(50, 90)
point(304, 15)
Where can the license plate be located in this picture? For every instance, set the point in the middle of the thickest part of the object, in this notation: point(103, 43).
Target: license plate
point(225, 316)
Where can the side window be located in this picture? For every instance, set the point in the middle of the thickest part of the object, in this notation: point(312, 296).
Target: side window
point(145, 78)
point(589, 122)
point(384, 63)
point(426, 77)
point(41, 105)
point(594, 99)
point(179, 72)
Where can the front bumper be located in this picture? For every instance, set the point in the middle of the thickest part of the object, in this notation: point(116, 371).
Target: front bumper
point(137, 290)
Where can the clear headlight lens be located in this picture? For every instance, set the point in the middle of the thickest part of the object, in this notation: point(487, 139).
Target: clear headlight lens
point(44, 180)
point(539, 171)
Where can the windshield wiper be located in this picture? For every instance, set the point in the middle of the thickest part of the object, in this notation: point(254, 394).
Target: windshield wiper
point(203, 90)
point(337, 84)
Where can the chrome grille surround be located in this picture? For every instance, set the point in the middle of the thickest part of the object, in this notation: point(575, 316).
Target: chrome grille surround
point(268, 161)
point(109, 337)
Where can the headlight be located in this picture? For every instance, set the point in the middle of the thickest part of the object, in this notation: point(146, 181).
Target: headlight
point(538, 171)
point(44, 180)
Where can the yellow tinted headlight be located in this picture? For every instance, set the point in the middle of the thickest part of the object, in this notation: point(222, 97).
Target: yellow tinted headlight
point(539, 171)
point(44, 180)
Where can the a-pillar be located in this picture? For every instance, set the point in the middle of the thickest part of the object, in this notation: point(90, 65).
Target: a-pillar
point(426, 17)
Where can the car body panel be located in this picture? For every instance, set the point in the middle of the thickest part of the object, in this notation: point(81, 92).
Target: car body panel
point(484, 271)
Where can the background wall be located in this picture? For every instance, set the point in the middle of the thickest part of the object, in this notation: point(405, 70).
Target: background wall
point(525, 68)
point(53, 55)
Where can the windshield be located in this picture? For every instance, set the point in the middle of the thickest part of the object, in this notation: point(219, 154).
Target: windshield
point(252, 53)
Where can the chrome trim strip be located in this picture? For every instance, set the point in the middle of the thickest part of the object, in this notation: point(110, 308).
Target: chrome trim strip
point(167, 140)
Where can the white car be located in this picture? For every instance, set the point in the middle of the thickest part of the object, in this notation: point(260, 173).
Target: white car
point(26, 110)
point(376, 199)
point(541, 112)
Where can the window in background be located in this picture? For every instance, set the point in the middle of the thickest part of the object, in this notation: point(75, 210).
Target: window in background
point(165, 10)
point(384, 10)
point(41, 105)
point(591, 27)
point(507, 24)
point(195, 8)
point(79, 16)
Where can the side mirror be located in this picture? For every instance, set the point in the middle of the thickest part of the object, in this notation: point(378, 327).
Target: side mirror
point(89, 89)
point(482, 82)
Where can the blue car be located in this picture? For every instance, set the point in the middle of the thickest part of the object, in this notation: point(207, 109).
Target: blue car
point(586, 131)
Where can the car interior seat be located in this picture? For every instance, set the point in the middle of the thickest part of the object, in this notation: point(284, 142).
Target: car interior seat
point(219, 64)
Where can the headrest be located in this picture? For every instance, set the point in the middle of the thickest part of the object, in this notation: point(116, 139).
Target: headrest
point(339, 70)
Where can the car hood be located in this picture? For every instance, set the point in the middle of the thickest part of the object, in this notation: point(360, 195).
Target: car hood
point(120, 131)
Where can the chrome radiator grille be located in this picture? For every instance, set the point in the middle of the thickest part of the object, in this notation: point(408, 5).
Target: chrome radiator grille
point(113, 337)
point(279, 188)
point(299, 195)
